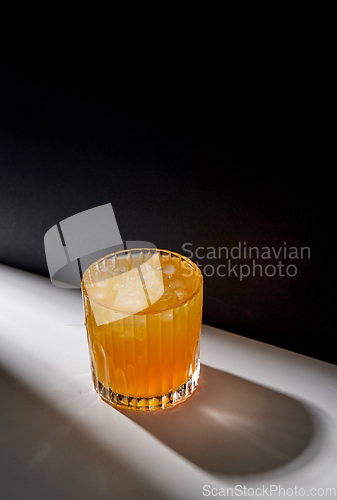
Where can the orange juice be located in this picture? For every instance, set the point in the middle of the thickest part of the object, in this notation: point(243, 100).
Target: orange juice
point(143, 312)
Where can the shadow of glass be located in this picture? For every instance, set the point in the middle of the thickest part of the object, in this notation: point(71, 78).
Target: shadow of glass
point(233, 426)
point(44, 455)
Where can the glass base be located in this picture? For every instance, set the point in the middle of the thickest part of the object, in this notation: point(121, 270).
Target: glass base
point(148, 404)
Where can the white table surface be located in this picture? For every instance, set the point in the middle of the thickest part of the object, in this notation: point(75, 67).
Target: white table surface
point(262, 417)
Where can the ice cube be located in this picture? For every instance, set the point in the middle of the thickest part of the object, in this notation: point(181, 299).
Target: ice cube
point(169, 268)
point(119, 270)
point(98, 277)
point(97, 292)
point(176, 283)
point(181, 293)
point(153, 278)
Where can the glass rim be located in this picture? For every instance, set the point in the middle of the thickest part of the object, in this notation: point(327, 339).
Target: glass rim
point(197, 270)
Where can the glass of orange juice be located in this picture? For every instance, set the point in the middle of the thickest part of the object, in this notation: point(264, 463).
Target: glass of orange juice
point(143, 313)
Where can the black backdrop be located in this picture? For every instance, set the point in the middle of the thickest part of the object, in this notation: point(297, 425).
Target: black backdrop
point(181, 162)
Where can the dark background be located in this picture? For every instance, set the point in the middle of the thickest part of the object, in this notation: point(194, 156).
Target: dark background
point(203, 158)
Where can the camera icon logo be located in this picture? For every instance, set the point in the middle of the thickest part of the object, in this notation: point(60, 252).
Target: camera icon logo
point(73, 244)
